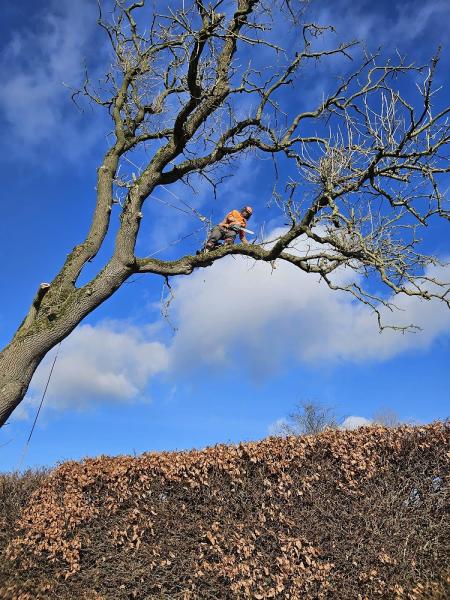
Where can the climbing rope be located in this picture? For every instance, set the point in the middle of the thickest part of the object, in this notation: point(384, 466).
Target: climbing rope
point(174, 243)
point(39, 408)
point(188, 210)
point(186, 204)
point(194, 210)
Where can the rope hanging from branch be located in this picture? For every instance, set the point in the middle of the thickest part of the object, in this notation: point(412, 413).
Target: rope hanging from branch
point(39, 408)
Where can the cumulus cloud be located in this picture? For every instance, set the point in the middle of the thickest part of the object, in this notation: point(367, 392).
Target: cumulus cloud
point(278, 427)
point(105, 363)
point(388, 27)
point(353, 422)
point(34, 102)
point(276, 315)
point(236, 311)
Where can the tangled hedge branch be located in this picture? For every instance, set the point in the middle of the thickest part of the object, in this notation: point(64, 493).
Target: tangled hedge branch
point(342, 515)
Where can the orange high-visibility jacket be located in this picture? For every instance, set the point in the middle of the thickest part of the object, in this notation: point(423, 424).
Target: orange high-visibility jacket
point(234, 217)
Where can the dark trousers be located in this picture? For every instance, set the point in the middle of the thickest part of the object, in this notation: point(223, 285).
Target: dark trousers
point(220, 233)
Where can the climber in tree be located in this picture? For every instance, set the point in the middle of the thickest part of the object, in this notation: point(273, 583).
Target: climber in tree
point(234, 223)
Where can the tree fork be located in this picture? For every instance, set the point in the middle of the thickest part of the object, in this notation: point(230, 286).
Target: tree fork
point(31, 316)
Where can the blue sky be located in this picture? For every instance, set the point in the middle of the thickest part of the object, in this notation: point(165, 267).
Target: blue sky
point(249, 343)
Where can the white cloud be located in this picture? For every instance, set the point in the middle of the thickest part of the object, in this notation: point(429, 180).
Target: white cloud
point(22, 412)
point(353, 422)
point(237, 310)
point(274, 316)
point(390, 28)
point(277, 428)
point(106, 363)
point(34, 102)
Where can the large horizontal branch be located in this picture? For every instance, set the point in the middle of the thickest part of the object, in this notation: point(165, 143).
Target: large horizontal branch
point(186, 264)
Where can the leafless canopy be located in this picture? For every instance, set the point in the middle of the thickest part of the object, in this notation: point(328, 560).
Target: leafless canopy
point(370, 158)
point(308, 418)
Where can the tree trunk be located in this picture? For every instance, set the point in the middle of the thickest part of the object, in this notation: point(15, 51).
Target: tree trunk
point(52, 317)
point(17, 366)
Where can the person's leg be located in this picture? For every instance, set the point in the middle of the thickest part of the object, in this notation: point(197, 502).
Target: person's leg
point(213, 238)
point(229, 237)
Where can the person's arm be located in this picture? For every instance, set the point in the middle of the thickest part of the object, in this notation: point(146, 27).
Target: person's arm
point(234, 217)
point(244, 240)
point(229, 220)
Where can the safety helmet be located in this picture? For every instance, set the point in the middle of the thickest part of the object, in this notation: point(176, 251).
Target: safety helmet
point(248, 210)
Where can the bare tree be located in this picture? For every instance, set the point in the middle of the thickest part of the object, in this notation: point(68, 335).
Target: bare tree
point(386, 417)
point(369, 158)
point(308, 417)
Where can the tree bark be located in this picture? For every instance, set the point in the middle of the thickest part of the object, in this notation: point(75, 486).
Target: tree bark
point(52, 317)
point(18, 362)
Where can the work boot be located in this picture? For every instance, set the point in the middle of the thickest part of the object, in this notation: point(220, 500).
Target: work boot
point(206, 248)
point(209, 246)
